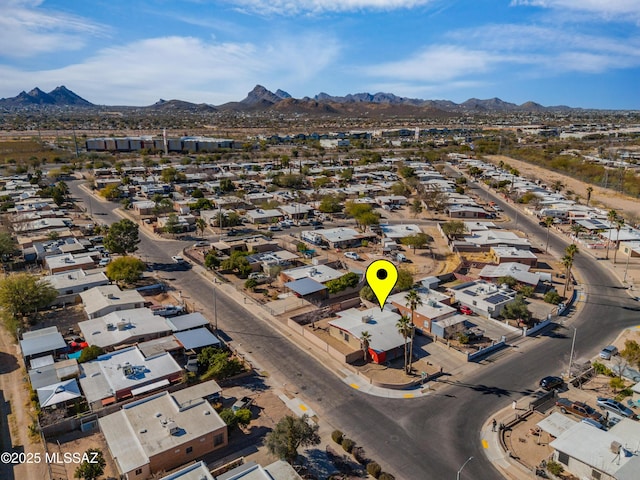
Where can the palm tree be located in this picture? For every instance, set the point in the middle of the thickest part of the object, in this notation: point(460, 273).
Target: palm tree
point(365, 341)
point(577, 229)
point(201, 225)
point(404, 328)
point(548, 221)
point(414, 300)
point(589, 192)
point(611, 216)
point(619, 225)
point(567, 261)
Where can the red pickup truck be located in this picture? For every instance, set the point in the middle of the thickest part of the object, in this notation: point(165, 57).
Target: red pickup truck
point(580, 409)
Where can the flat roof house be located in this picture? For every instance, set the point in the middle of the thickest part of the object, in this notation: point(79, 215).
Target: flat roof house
point(44, 341)
point(483, 297)
point(126, 373)
point(124, 327)
point(162, 432)
point(433, 308)
point(385, 344)
point(320, 273)
point(70, 283)
point(100, 301)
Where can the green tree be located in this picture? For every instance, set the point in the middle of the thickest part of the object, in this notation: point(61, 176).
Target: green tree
point(7, 246)
point(406, 172)
point(211, 261)
point(201, 204)
point(454, 228)
point(237, 262)
point(367, 294)
point(110, 191)
point(413, 301)
point(405, 328)
point(171, 175)
point(567, 261)
point(417, 240)
point(631, 352)
point(123, 237)
point(508, 280)
point(589, 192)
point(172, 225)
point(400, 188)
point(416, 207)
point(552, 297)
point(251, 284)
point(405, 280)
point(93, 467)
point(527, 291)
point(244, 416)
point(228, 416)
point(90, 353)
point(619, 223)
point(22, 294)
point(201, 225)
point(517, 310)
point(289, 434)
point(125, 269)
point(330, 204)
point(435, 198)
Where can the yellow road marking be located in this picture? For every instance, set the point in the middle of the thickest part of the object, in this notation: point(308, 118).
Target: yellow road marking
point(353, 385)
point(408, 395)
point(302, 407)
point(485, 444)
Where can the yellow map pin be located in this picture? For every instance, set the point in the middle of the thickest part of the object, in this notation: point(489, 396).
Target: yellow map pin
point(382, 276)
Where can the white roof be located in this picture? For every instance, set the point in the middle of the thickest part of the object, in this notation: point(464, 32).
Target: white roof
point(431, 303)
point(513, 252)
point(511, 269)
point(140, 430)
point(259, 213)
point(137, 322)
point(339, 234)
point(186, 322)
point(319, 273)
point(278, 470)
point(108, 297)
point(556, 424)
point(58, 393)
point(196, 471)
point(400, 231)
point(496, 237)
point(40, 341)
point(380, 324)
point(592, 447)
point(55, 262)
point(106, 375)
point(75, 278)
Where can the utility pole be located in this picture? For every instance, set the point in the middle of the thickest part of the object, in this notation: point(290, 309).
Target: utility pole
point(573, 344)
point(463, 465)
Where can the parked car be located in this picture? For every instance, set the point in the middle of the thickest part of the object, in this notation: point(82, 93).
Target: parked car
point(580, 409)
point(401, 257)
point(168, 310)
point(258, 276)
point(275, 228)
point(104, 262)
point(177, 259)
point(303, 223)
point(352, 255)
point(192, 365)
point(608, 352)
point(202, 244)
point(466, 310)
point(616, 407)
point(244, 402)
point(551, 383)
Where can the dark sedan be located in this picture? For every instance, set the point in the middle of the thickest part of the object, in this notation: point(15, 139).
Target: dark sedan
point(551, 383)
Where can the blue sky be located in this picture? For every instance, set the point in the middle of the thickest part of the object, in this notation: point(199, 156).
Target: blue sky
point(581, 53)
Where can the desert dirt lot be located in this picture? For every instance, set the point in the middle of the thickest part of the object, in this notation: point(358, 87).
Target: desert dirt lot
point(600, 197)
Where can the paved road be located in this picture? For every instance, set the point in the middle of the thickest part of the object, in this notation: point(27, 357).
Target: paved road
point(428, 437)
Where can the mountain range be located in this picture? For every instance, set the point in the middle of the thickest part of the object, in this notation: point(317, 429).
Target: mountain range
point(262, 99)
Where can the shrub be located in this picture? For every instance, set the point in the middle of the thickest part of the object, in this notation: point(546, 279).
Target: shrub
point(229, 417)
point(337, 436)
point(553, 297)
point(374, 469)
point(616, 383)
point(348, 444)
point(243, 416)
point(602, 369)
point(555, 468)
point(386, 476)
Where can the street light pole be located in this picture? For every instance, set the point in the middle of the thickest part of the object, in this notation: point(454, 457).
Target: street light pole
point(573, 343)
point(463, 465)
point(215, 310)
point(626, 267)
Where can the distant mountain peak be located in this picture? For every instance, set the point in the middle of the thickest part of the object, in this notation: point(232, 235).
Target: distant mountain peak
point(59, 96)
point(261, 96)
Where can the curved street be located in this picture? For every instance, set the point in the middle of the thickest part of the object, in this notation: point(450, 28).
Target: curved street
point(423, 438)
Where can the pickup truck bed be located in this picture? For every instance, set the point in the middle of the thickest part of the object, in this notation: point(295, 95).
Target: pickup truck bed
point(580, 409)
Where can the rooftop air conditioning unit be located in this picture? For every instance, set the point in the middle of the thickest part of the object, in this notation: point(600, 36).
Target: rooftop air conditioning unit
point(122, 325)
point(365, 318)
point(615, 447)
point(110, 326)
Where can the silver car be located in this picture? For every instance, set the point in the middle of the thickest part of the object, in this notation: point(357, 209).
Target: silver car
point(609, 351)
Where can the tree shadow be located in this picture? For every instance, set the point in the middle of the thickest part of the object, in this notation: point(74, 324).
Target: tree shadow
point(8, 363)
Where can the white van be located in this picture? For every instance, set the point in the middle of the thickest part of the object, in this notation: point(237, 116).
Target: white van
point(400, 257)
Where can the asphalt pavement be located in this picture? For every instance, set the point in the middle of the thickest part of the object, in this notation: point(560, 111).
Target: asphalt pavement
point(424, 436)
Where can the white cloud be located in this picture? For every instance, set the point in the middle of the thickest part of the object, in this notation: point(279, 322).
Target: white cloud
point(436, 63)
point(26, 29)
point(606, 9)
point(294, 7)
point(187, 68)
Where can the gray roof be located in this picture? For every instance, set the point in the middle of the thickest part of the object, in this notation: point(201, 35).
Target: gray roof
point(196, 471)
point(278, 470)
point(41, 341)
point(197, 338)
point(108, 298)
point(139, 431)
point(186, 322)
point(305, 286)
point(58, 393)
point(44, 375)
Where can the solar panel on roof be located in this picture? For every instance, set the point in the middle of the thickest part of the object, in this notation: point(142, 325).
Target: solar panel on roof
point(470, 292)
point(495, 299)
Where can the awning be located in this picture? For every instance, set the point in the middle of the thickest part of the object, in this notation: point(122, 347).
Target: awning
point(150, 387)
